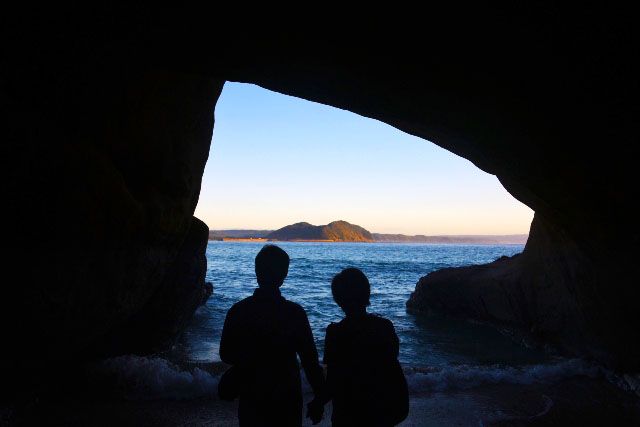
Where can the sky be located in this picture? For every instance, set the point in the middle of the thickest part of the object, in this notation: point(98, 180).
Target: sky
point(276, 160)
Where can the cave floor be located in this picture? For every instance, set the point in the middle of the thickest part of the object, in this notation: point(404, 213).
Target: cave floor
point(576, 401)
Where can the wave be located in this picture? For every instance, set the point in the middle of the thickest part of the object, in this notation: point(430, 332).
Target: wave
point(154, 378)
point(464, 377)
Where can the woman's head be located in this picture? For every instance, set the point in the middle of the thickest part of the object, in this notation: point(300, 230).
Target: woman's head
point(351, 289)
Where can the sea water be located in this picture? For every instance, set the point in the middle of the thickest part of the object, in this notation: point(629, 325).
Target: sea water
point(393, 271)
point(447, 361)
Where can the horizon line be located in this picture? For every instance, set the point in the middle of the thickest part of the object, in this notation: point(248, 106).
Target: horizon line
point(375, 232)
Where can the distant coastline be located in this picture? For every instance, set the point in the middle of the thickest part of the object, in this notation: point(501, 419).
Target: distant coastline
point(342, 231)
point(240, 239)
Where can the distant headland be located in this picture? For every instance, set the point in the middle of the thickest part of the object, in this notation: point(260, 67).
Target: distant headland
point(342, 231)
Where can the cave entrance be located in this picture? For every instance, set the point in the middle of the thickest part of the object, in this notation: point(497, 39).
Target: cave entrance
point(277, 160)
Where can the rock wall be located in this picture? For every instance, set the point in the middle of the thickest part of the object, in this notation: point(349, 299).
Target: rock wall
point(106, 165)
point(155, 326)
point(553, 293)
point(542, 293)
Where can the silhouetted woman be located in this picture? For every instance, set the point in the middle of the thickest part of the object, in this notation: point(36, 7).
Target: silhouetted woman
point(364, 378)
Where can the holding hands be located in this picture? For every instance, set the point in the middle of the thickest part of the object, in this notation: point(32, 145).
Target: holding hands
point(315, 410)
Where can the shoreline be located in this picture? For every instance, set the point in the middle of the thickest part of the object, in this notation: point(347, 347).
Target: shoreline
point(150, 391)
point(573, 401)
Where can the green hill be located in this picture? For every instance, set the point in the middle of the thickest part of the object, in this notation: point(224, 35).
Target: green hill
point(337, 231)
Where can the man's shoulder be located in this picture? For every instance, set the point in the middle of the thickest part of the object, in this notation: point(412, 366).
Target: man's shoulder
point(379, 320)
point(249, 303)
point(375, 317)
point(294, 307)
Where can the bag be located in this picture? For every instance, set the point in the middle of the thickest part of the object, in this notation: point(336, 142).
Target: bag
point(399, 396)
point(229, 385)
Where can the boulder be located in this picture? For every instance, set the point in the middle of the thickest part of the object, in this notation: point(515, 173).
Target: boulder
point(547, 295)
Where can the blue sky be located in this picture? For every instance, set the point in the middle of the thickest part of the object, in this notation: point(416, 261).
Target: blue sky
point(276, 160)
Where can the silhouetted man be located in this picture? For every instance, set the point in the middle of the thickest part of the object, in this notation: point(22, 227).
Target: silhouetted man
point(364, 378)
point(261, 336)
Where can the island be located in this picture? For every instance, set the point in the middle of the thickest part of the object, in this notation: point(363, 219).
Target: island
point(336, 231)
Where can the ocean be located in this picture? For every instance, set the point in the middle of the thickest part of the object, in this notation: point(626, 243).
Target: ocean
point(393, 271)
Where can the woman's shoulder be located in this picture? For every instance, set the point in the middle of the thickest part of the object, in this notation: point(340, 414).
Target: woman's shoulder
point(335, 329)
point(332, 332)
point(334, 326)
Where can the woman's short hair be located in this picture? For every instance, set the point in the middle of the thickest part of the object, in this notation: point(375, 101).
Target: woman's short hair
point(272, 265)
point(351, 289)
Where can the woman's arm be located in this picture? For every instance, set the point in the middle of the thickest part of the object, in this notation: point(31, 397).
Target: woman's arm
point(329, 360)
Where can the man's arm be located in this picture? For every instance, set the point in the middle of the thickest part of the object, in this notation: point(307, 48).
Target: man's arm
point(395, 342)
point(306, 348)
point(229, 341)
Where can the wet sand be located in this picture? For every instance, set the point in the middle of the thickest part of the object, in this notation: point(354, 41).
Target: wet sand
point(575, 401)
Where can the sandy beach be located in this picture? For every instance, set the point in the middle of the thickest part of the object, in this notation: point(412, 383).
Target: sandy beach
point(575, 401)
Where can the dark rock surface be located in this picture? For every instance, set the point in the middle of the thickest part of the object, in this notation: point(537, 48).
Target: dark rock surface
point(168, 311)
point(110, 123)
point(547, 294)
point(207, 291)
point(105, 172)
point(534, 292)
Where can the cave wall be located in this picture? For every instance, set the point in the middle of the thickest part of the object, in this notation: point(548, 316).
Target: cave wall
point(110, 124)
point(107, 161)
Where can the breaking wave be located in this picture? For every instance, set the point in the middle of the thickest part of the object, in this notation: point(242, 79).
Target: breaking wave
point(154, 378)
point(464, 377)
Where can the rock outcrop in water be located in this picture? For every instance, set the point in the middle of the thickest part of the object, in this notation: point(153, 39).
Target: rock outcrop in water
point(109, 127)
point(541, 294)
point(516, 292)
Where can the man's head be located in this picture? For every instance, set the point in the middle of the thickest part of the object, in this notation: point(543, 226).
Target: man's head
point(351, 289)
point(272, 266)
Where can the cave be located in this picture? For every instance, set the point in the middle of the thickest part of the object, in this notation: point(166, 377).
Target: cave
point(109, 129)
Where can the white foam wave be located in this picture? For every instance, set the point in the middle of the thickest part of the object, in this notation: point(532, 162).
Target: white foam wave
point(153, 378)
point(465, 377)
